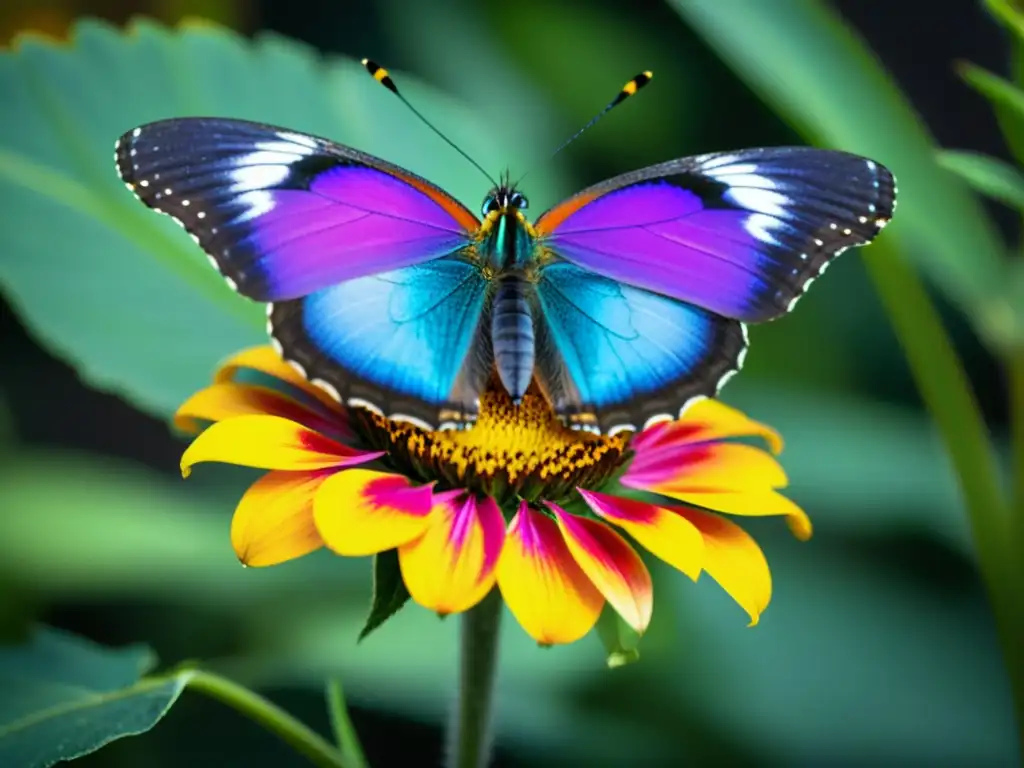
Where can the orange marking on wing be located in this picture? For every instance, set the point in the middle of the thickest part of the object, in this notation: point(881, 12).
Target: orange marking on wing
point(553, 218)
point(457, 210)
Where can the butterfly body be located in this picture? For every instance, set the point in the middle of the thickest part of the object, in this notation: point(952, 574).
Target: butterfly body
point(623, 303)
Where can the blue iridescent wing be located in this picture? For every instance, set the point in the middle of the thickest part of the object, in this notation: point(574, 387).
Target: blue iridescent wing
point(405, 342)
point(282, 214)
point(741, 233)
point(612, 356)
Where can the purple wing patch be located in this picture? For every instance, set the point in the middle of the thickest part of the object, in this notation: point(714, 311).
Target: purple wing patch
point(283, 214)
point(741, 234)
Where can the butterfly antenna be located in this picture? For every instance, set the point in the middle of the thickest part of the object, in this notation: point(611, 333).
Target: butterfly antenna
point(381, 76)
point(629, 89)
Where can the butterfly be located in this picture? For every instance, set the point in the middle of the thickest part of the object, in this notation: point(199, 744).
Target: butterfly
point(624, 302)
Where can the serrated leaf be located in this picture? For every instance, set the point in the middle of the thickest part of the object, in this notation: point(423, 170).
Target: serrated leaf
point(988, 175)
point(123, 293)
point(816, 73)
point(389, 591)
point(64, 697)
point(621, 642)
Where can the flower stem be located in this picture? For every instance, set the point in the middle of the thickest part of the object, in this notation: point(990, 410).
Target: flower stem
point(344, 733)
point(297, 735)
point(470, 732)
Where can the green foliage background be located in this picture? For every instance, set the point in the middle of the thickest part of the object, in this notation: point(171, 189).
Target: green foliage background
point(878, 644)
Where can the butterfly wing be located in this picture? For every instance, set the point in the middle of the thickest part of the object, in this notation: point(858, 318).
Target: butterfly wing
point(405, 342)
point(282, 214)
point(739, 233)
point(614, 356)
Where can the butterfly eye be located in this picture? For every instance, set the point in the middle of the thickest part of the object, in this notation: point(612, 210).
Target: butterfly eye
point(490, 204)
point(518, 201)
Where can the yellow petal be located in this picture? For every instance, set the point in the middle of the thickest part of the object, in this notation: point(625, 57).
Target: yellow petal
point(726, 477)
point(721, 466)
point(659, 529)
point(762, 503)
point(266, 360)
point(274, 520)
point(223, 401)
point(734, 560)
point(453, 565)
point(545, 589)
point(269, 442)
point(361, 512)
point(611, 564)
point(709, 419)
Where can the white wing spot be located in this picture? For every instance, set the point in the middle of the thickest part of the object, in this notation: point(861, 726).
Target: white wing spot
point(724, 380)
point(622, 428)
point(862, 219)
point(259, 202)
point(185, 203)
point(143, 183)
point(167, 191)
point(691, 401)
point(254, 177)
point(759, 200)
point(134, 152)
point(819, 242)
point(298, 138)
point(847, 232)
point(201, 215)
point(327, 387)
point(833, 225)
point(758, 225)
point(358, 402)
point(657, 418)
point(136, 133)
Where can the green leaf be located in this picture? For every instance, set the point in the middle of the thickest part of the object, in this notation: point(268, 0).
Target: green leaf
point(815, 71)
point(988, 175)
point(119, 291)
point(178, 551)
point(1007, 101)
point(620, 640)
point(998, 90)
point(389, 591)
point(65, 697)
point(1008, 16)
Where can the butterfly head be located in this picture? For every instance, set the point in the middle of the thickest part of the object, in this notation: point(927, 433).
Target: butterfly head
point(503, 199)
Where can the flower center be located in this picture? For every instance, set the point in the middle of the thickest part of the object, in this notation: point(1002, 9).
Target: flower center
point(510, 451)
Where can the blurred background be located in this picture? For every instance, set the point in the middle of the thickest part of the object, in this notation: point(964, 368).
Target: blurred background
point(878, 647)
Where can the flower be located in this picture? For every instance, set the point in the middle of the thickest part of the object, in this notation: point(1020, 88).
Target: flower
point(517, 500)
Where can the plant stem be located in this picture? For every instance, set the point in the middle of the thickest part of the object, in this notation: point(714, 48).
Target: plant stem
point(344, 733)
point(297, 735)
point(469, 742)
point(948, 396)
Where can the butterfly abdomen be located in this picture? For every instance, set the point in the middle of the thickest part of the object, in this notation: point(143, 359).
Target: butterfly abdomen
point(512, 335)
